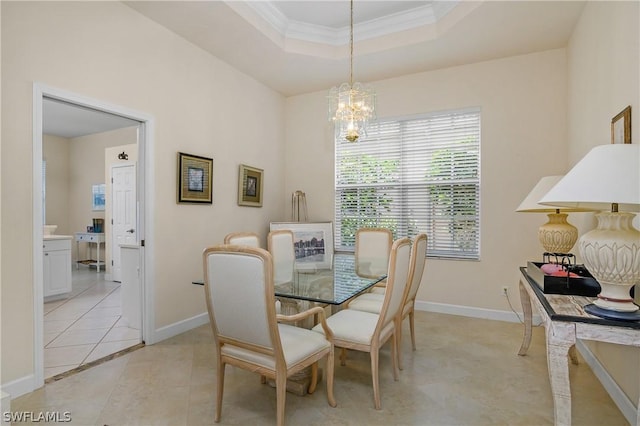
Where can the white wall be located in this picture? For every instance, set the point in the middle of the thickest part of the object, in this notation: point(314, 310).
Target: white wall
point(109, 52)
point(604, 77)
point(523, 102)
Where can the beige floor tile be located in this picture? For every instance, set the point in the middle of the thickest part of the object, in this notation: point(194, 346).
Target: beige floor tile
point(78, 337)
point(122, 333)
point(48, 337)
point(67, 355)
point(466, 371)
point(115, 311)
point(52, 326)
point(107, 348)
point(93, 323)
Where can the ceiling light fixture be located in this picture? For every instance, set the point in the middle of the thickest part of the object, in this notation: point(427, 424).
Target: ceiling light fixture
point(351, 105)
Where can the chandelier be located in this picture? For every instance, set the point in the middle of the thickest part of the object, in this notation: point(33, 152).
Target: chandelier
point(351, 105)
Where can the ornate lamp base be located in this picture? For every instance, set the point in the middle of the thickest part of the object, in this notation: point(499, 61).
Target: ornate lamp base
point(611, 252)
point(557, 235)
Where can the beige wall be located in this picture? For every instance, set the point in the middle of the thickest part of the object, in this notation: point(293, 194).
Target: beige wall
point(55, 151)
point(73, 167)
point(604, 77)
point(523, 107)
point(109, 52)
point(87, 158)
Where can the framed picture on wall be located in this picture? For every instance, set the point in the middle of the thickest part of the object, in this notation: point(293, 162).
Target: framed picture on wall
point(313, 243)
point(621, 126)
point(250, 186)
point(97, 197)
point(194, 179)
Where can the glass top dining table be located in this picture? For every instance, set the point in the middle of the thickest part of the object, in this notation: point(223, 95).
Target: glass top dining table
point(331, 285)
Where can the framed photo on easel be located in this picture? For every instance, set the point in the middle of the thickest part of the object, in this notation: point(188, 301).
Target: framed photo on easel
point(621, 126)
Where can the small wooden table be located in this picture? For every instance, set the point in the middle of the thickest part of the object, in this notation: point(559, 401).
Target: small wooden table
point(565, 321)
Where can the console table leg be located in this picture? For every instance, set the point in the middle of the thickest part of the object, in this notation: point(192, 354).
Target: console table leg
point(573, 355)
point(558, 365)
point(528, 319)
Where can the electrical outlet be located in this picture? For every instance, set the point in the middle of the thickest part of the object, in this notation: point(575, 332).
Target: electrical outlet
point(505, 291)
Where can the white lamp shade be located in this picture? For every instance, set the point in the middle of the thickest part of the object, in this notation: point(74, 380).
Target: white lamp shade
point(607, 174)
point(530, 203)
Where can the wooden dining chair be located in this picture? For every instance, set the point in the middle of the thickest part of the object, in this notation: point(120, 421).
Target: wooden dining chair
point(280, 245)
point(250, 239)
point(248, 333)
point(366, 331)
point(372, 302)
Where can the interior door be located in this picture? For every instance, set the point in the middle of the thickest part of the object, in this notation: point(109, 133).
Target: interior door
point(124, 209)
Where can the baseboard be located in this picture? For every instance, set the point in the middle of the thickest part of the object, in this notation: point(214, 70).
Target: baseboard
point(20, 386)
point(468, 311)
point(180, 327)
point(625, 405)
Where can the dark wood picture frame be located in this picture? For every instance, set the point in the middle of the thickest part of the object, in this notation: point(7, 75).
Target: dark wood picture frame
point(621, 126)
point(195, 179)
point(250, 186)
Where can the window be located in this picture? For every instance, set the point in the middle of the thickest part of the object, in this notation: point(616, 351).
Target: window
point(414, 175)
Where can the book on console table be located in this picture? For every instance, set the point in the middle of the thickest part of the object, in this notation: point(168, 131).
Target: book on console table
point(581, 283)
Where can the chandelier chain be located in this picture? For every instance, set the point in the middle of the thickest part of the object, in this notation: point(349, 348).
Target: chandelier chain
point(351, 52)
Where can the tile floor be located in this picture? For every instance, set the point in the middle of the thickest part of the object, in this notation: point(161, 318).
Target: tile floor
point(85, 326)
point(466, 371)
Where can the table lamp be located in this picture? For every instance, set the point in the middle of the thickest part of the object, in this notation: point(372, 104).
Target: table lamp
point(557, 235)
point(608, 177)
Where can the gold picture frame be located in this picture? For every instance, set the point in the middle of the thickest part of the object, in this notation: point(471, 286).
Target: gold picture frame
point(250, 185)
point(621, 126)
point(195, 179)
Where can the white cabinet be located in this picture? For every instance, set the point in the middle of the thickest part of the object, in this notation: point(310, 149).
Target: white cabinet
point(57, 266)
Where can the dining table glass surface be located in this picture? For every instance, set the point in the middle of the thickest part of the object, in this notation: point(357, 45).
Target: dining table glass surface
point(332, 286)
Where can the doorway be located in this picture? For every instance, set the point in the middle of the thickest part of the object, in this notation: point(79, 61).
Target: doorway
point(122, 117)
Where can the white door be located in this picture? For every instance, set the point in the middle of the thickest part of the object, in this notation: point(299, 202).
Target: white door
point(123, 215)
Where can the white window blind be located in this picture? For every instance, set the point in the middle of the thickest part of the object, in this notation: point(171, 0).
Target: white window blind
point(414, 175)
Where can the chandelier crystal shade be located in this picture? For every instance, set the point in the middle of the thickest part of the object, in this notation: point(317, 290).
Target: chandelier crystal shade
point(351, 105)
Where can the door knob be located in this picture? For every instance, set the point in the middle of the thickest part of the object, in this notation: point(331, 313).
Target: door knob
point(131, 231)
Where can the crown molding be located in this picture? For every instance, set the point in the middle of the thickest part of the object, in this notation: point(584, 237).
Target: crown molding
point(406, 20)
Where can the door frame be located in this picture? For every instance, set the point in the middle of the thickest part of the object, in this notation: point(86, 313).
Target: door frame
point(145, 191)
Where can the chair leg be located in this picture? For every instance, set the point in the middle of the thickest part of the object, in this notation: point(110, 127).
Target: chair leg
point(374, 376)
point(413, 330)
point(221, 367)
point(395, 348)
point(281, 393)
point(314, 377)
point(399, 345)
point(343, 356)
point(330, 368)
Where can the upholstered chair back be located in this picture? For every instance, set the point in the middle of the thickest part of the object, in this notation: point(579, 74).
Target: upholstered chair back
point(239, 291)
point(250, 239)
point(416, 268)
point(280, 245)
point(372, 250)
point(396, 280)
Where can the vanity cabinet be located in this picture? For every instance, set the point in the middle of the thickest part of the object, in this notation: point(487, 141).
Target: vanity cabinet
point(57, 267)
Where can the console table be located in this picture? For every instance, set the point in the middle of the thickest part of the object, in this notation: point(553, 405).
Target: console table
point(90, 238)
point(565, 321)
